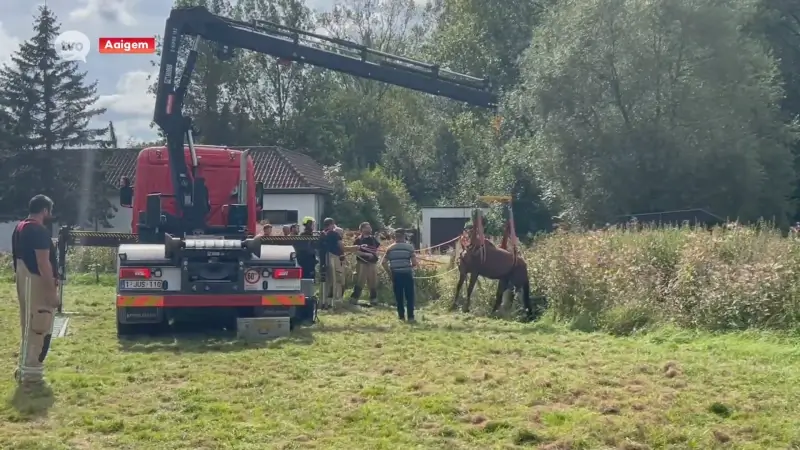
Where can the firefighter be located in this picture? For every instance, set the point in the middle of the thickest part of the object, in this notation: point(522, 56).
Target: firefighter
point(333, 248)
point(34, 259)
point(366, 264)
point(306, 254)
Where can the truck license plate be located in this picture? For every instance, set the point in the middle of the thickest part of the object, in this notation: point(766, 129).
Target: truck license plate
point(144, 284)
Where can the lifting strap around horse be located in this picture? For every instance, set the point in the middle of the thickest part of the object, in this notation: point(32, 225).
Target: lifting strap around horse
point(508, 236)
point(480, 239)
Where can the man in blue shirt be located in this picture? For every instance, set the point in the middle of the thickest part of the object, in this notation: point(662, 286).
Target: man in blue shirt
point(399, 261)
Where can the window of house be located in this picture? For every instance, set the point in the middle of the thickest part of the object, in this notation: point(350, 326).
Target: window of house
point(280, 216)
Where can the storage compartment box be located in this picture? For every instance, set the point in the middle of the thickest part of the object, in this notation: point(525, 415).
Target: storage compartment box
point(307, 286)
point(262, 328)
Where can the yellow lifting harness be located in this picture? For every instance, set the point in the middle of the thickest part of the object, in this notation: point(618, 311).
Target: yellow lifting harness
point(509, 231)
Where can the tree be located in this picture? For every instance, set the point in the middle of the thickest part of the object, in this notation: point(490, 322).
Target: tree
point(49, 104)
point(395, 203)
point(112, 136)
point(351, 202)
point(630, 106)
point(484, 38)
point(779, 22)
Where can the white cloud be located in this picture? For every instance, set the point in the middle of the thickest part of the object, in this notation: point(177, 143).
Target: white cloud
point(136, 130)
point(8, 45)
point(131, 96)
point(114, 11)
point(131, 106)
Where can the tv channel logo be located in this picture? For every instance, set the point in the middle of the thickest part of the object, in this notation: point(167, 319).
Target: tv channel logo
point(72, 46)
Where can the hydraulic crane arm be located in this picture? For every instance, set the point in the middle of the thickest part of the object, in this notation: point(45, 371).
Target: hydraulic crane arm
point(287, 44)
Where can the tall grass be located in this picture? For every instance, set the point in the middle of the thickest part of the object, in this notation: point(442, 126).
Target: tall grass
point(622, 280)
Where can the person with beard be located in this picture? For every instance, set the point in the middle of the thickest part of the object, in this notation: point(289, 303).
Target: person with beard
point(366, 264)
point(35, 265)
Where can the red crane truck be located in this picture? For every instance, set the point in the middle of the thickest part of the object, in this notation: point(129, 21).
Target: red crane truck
point(195, 207)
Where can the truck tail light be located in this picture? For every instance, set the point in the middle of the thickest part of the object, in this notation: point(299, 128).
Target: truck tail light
point(138, 273)
point(283, 274)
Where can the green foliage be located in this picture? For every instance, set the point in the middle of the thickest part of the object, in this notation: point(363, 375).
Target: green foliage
point(613, 106)
point(623, 281)
point(669, 93)
point(396, 206)
point(373, 196)
point(351, 202)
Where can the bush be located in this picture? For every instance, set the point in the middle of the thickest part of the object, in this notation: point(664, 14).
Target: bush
point(622, 281)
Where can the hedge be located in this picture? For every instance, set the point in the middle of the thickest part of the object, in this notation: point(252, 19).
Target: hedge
point(622, 281)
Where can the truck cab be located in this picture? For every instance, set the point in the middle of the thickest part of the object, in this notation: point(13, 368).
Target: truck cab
point(221, 169)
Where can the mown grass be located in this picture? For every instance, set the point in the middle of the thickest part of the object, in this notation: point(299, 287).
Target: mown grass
point(361, 380)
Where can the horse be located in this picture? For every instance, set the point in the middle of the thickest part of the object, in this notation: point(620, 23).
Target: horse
point(494, 263)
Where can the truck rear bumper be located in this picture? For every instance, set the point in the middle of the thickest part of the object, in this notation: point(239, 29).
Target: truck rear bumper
point(293, 299)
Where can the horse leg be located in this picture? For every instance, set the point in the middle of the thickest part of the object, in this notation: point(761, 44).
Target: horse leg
point(526, 301)
point(502, 287)
point(461, 277)
point(473, 278)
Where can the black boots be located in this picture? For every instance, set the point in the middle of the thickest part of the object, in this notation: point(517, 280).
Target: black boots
point(373, 297)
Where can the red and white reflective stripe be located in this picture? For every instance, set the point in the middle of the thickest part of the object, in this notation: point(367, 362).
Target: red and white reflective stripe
point(288, 273)
point(136, 273)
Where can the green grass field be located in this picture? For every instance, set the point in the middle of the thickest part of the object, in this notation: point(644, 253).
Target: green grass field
point(361, 380)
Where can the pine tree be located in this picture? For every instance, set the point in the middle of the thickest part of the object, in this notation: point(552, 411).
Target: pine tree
point(111, 139)
point(49, 106)
point(112, 136)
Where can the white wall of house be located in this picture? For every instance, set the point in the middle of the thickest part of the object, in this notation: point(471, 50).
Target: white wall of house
point(429, 213)
point(304, 204)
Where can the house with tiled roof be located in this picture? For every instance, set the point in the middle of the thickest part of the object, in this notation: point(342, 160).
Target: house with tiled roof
point(294, 184)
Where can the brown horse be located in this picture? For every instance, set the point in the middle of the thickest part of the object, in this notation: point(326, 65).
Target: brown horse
point(493, 263)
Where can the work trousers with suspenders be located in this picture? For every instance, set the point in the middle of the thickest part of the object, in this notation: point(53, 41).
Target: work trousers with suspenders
point(36, 310)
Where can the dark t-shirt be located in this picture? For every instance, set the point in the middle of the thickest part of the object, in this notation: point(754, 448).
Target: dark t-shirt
point(373, 243)
point(28, 237)
point(306, 251)
point(330, 242)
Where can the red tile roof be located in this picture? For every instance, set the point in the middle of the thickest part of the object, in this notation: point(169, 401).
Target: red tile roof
point(279, 169)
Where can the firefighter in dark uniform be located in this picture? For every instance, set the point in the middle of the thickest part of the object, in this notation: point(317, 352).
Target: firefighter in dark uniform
point(367, 246)
point(35, 266)
point(307, 260)
point(306, 252)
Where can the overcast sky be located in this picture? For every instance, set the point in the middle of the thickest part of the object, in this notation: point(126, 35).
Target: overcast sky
point(122, 79)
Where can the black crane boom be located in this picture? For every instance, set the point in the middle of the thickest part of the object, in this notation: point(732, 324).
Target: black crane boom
point(288, 44)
